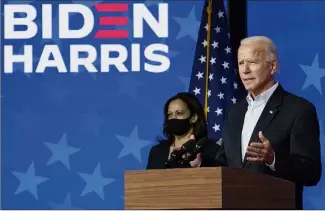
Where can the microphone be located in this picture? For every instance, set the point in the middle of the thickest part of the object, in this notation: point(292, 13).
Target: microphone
point(176, 154)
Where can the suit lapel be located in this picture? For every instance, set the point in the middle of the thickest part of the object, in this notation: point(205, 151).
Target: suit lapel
point(237, 126)
point(269, 112)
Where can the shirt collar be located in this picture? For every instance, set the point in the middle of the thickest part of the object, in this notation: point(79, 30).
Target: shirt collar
point(263, 97)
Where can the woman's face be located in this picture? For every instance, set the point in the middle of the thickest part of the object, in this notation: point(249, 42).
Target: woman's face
point(177, 109)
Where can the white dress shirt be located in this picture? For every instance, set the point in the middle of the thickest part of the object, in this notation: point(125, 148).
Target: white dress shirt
point(254, 111)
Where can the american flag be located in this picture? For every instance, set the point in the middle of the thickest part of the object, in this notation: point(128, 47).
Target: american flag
point(214, 81)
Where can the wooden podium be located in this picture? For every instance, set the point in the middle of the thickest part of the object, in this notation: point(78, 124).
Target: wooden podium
point(206, 188)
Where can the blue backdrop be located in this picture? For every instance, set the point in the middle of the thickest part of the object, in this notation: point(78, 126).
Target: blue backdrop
point(66, 139)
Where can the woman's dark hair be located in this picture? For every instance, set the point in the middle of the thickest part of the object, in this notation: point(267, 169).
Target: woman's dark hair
point(195, 107)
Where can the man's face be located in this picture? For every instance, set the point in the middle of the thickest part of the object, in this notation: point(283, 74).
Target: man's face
point(255, 69)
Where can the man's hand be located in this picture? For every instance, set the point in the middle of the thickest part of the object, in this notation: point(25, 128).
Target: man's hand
point(261, 152)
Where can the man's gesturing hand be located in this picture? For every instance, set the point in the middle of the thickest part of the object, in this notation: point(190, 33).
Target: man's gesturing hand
point(260, 152)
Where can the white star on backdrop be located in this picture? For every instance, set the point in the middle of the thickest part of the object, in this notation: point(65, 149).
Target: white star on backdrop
point(61, 151)
point(95, 182)
point(189, 26)
point(314, 74)
point(29, 181)
point(132, 144)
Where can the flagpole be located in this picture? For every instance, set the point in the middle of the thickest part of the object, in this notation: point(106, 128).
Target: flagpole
point(209, 11)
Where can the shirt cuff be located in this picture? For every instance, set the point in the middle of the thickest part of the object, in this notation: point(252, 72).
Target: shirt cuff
point(273, 163)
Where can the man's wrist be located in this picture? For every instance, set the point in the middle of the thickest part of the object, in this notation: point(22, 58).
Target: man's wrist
point(271, 164)
point(271, 159)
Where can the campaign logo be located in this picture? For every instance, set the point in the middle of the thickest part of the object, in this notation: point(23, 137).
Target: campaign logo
point(97, 23)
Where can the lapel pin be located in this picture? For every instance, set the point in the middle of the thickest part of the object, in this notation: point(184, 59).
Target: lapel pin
point(271, 112)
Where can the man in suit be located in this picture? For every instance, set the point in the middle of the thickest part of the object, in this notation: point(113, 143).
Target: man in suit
point(271, 131)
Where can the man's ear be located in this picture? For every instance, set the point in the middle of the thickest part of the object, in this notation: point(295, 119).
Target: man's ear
point(274, 66)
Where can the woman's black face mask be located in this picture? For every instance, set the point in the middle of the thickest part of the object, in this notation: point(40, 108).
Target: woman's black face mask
point(178, 127)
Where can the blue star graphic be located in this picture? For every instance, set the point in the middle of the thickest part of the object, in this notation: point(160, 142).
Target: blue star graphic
point(28, 181)
point(65, 205)
point(314, 74)
point(132, 144)
point(189, 26)
point(61, 152)
point(95, 182)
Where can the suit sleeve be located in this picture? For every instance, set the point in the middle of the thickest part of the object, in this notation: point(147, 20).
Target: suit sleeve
point(303, 165)
point(213, 155)
point(221, 158)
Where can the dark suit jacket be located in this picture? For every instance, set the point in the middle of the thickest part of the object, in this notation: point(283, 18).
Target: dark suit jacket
point(290, 123)
point(158, 155)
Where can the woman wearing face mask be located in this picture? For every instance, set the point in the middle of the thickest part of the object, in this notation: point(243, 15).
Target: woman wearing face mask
point(184, 120)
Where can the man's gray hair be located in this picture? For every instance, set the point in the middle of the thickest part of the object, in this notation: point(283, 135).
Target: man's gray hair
point(271, 48)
